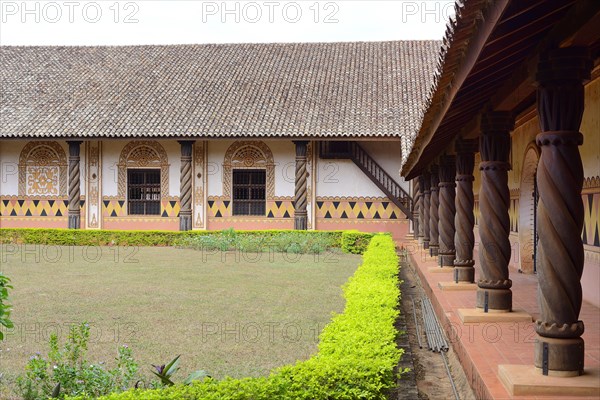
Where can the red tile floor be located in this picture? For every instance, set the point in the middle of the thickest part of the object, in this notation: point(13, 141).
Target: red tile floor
point(482, 347)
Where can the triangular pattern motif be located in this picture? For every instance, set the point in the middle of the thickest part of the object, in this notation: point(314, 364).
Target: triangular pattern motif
point(218, 208)
point(357, 208)
point(14, 207)
point(591, 210)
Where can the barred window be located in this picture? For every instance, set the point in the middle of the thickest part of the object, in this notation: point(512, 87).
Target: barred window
point(249, 192)
point(143, 191)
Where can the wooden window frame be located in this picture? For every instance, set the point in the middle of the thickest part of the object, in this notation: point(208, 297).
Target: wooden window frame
point(256, 204)
point(153, 189)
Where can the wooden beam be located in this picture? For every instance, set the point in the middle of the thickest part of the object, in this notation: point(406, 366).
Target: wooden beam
point(493, 15)
point(578, 28)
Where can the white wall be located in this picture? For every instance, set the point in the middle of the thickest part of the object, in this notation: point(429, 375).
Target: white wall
point(344, 178)
point(283, 156)
point(9, 160)
point(111, 151)
point(10, 151)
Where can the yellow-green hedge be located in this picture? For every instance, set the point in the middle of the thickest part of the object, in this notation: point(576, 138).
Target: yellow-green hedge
point(80, 237)
point(357, 352)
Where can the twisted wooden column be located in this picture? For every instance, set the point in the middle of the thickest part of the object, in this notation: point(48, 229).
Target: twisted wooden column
point(416, 210)
point(426, 185)
point(434, 236)
point(494, 201)
point(560, 212)
point(185, 186)
point(300, 193)
point(464, 220)
point(447, 210)
point(74, 191)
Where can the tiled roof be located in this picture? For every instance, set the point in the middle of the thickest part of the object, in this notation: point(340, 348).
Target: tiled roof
point(366, 89)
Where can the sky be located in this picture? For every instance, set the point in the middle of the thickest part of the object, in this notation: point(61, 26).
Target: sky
point(123, 22)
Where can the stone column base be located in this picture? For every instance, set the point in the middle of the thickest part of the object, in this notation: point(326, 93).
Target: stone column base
point(185, 222)
point(465, 273)
point(300, 221)
point(526, 380)
point(446, 259)
point(74, 220)
point(565, 356)
point(434, 250)
point(497, 299)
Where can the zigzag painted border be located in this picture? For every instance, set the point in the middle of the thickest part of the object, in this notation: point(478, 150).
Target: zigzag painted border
point(278, 207)
point(359, 208)
point(15, 206)
point(115, 208)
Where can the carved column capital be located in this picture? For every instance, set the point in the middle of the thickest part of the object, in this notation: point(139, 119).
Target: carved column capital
point(561, 73)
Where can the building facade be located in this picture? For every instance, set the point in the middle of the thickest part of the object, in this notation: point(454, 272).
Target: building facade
point(136, 184)
point(263, 136)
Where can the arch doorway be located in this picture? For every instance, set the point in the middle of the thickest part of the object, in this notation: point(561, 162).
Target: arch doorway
point(527, 210)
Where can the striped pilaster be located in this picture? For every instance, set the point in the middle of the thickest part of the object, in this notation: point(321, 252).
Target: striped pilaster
point(74, 191)
point(185, 213)
point(300, 193)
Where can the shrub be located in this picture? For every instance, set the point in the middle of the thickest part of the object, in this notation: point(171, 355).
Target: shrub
point(67, 372)
point(355, 242)
point(253, 241)
point(297, 242)
point(357, 351)
point(5, 308)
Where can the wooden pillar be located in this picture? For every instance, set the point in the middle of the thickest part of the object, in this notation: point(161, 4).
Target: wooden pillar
point(560, 212)
point(447, 210)
point(434, 236)
point(300, 194)
point(185, 186)
point(494, 201)
point(426, 185)
point(74, 185)
point(417, 208)
point(464, 221)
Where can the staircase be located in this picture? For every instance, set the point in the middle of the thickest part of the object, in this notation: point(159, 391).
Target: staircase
point(362, 159)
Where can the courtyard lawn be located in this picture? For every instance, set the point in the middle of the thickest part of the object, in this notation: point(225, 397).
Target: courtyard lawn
point(231, 314)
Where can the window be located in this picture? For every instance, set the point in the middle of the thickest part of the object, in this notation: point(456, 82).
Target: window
point(249, 189)
point(143, 191)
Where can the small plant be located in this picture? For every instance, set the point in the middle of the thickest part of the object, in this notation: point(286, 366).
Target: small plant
point(166, 371)
point(66, 372)
point(4, 306)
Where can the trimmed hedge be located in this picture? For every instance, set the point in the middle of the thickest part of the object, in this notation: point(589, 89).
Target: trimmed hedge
point(355, 242)
point(357, 352)
point(76, 237)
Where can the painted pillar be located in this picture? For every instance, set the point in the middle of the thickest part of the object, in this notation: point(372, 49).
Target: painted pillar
point(426, 185)
point(434, 218)
point(185, 185)
point(464, 220)
point(74, 185)
point(447, 210)
point(300, 193)
point(494, 202)
point(560, 212)
point(417, 208)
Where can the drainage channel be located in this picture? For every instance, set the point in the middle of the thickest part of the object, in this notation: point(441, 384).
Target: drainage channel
point(437, 372)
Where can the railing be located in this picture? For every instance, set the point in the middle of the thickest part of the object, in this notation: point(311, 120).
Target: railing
point(373, 170)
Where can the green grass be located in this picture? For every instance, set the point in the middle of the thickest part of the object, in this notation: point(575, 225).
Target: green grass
point(233, 317)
